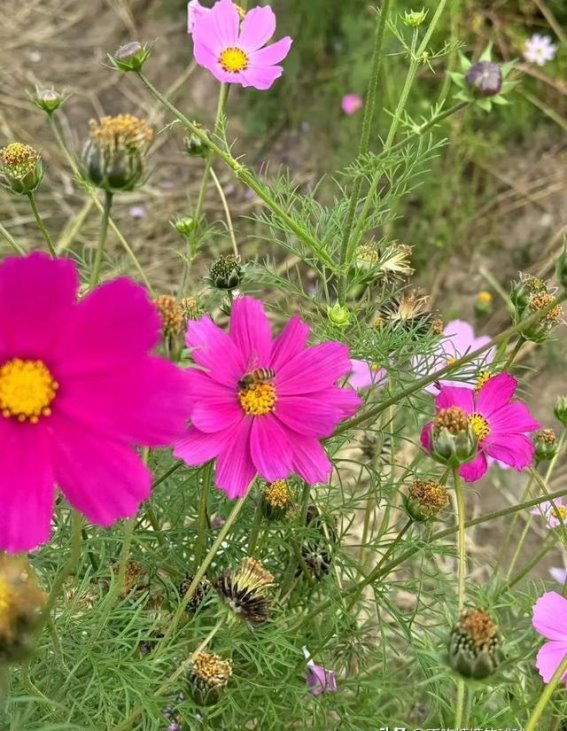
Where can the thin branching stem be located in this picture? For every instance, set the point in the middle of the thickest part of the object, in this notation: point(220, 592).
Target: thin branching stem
point(41, 225)
point(100, 249)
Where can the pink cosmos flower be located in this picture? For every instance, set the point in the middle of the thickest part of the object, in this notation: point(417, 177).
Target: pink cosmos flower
point(351, 103)
point(499, 424)
point(78, 388)
point(539, 49)
point(554, 512)
point(236, 53)
point(319, 680)
point(550, 620)
point(458, 339)
point(364, 374)
point(194, 11)
point(260, 405)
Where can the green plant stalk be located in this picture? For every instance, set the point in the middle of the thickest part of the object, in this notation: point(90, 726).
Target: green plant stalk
point(544, 550)
point(515, 350)
point(426, 380)
point(255, 532)
point(511, 529)
point(11, 241)
point(95, 274)
point(223, 93)
point(228, 217)
point(94, 197)
point(461, 546)
point(70, 565)
point(369, 112)
point(202, 517)
point(545, 697)
point(460, 704)
point(246, 176)
point(41, 226)
point(4, 685)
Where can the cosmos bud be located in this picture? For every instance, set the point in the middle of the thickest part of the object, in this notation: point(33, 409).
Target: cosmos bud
point(485, 78)
point(49, 100)
point(195, 147)
point(21, 168)
point(560, 410)
point(483, 303)
point(130, 57)
point(226, 272)
point(414, 18)
point(475, 645)
point(184, 225)
point(338, 315)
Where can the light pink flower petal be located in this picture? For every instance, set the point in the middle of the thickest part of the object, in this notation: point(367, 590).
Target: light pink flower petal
point(351, 103)
point(513, 418)
point(313, 417)
point(495, 393)
point(474, 470)
point(250, 331)
point(458, 338)
point(37, 293)
point(235, 469)
point(220, 25)
point(270, 448)
point(113, 326)
point(146, 402)
point(549, 616)
point(310, 460)
point(26, 487)
point(272, 54)
point(560, 575)
point(214, 350)
point(363, 375)
point(515, 450)
point(455, 396)
point(289, 343)
point(216, 414)
point(549, 658)
point(194, 11)
point(258, 26)
point(102, 478)
point(260, 77)
point(314, 369)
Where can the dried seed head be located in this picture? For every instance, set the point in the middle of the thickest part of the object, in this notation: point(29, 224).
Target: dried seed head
point(21, 168)
point(245, 591)
point(208, 676)
point(171, 314)
point(426, 499)
point(475, 645)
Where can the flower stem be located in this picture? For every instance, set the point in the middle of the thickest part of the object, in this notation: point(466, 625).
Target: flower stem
point(11, 240)
point(545, 697)
point(95, 274)
point(127, 535)
point(246, 176)
point(70, 565)
point(461, 540)
point(255, 532)
point(460, 704)
point(229, 225)
point(516, 349)
point(534, 561)
point(202, 517)
point(41, 225)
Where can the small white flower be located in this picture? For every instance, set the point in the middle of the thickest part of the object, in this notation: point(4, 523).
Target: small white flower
point(539, 49)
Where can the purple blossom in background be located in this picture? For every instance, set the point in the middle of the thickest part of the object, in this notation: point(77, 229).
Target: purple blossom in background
point(319, 680)
point(365, 375)
point(351, 103)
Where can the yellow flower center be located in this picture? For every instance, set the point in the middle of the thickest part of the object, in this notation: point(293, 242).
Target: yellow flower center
point(257, 399)
point(451, 360)
point(560, 512)
point(27, 389)
point(479, 426)
point(484, 377)
point(375, 367)
point(233, 60)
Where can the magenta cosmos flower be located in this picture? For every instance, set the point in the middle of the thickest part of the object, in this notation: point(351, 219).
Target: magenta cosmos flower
point(261, 405)
point(365, 375)
point(78, 388)
point(459, 339)
point(499, 424)
point(235, 52)
point(550, 620)
point(350, 104)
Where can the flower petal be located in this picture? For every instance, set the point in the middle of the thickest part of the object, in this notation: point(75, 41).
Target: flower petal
point(272, 54)
point(455, 396)
point(37, 294)
point(313, 417)
point(514, 418)
point(270, 448)
point(549, 616)
point(214, 415)
point(250, 331)
point(549, 658)
point(289, 343)
point(313, 369)
point(26, 487)
point(260, 77)
point(219, 26)
point(214, 350)
point(102, 478)
point(235, 469)
point(515, 450)
point(310, 460)
point(474, 470)
point(258, 26)
point(196, 447)
point(495, 393)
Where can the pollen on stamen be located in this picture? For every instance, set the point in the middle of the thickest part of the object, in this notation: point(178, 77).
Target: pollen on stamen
point(233, 60)
point(258, 399)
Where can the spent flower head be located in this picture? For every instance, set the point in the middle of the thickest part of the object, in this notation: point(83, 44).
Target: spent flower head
point(426, 500)
point(277, 499)
point(246, 591)
point(208, 676)
point(21, 168)
point(545, 445)
point(530, 295)
point(226, 272)
point(475, 645)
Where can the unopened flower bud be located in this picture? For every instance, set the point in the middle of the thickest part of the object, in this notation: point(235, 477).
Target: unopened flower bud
point(130, 57)
point(560, 410)
point(485, 78)
point(21, 604)
point(49, 100)
point(115, 156)
point(195, 147)
point(529, 296)
point(425, 500)
point(453, 438)
point(184, 225)
point(226, 272)
point(21, 168)
point(414, 18)
point(208, 676)
point(483, 303)
point(339, 315)
point(475, 645)
point(277, 499)
point(545, 445)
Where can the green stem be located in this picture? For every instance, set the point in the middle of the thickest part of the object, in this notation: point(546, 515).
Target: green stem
point(202, 517)
point(41, 225)
point(372, 413)
point(70, 565)
point(516, 349)
point(124, 558)
point(460, 704)
point(95, 274)
point(369, 112)
point(166, 474)
point(534, 561)
point(545, 697)
point(246, 176)
point(511, 529)
point(461, 541)
point(4, 686)
point(12, 241)
point(255, 532)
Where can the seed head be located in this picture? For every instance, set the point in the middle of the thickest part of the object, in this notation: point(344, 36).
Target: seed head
point(202, 593)
point(170, 313)
point(21, 168)
point(208, 676)
point(245, 591)
point(425, 500)
point(545, 445)
point(226, 272)
point(475, 645)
